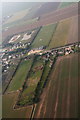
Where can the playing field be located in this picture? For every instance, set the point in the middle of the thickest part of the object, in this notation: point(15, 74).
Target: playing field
point(20, 75)
point(44, 36)
point(61, 34)
point(60, 96)
point(9, 101)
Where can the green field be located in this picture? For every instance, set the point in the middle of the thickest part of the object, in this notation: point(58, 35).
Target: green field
point(8, 104)
point(60, 36)
point(60, 96)
point(44, 36)
point(20, 75)
point(32, 81)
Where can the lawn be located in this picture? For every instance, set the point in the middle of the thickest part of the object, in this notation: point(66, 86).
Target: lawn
point(7, 107)
point(44, 36)
point(60, 97)
point(61, 34)
point(20, 75)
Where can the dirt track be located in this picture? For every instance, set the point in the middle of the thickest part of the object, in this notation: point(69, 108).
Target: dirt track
point(47, 19)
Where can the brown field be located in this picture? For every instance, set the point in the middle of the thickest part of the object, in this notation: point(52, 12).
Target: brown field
point(9, 101)
point(48, 19)
point(60, 96)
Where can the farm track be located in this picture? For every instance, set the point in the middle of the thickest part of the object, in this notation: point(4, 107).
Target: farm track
point(60, 97)
point(48, 19)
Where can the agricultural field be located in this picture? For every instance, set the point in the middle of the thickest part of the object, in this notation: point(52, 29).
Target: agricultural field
point(73, 32)
point(46, 8)
point(44, 36)
point(20, 76)
point(9, 101)
point(19, 23)
point(6, 77)
point(60, 96)
point(32, 81)
point(61, 34)
point(65, 4)
point(17, 16)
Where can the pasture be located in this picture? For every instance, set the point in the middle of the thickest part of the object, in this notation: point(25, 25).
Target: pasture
point(44, 36)
point(8, 102)
point(60, 96)
point(20, 75)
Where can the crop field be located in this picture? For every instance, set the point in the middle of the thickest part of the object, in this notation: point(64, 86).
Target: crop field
point(32, 81)
point(8, 104)
point(60, 96)
point(20, 75)
point(44, 36)
point(17, 16)
point(61, 34)
point(65, 4)
point(19, 23)
point(47, 8)
point(48, 19)
point(73, 33)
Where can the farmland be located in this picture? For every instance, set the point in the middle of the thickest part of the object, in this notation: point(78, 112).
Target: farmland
point(40, 62)
point(17, 16)
point(19, 23)
point(6, 77)
point(20, 75)
point(73, 33)
point(32, 81)
point(60, 97)
point(46, 19)
point(61, 34)
point(8, 104)
point(44, 36)
point(65, 4)
point(47, 8)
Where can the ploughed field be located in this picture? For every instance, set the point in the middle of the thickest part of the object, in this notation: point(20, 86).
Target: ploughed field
point(60, 96)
